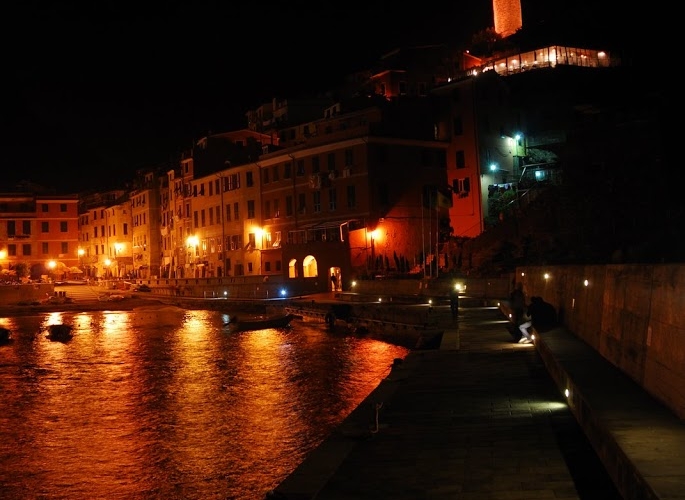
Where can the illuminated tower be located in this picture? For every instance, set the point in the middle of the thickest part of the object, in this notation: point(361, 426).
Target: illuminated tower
point(508, 16)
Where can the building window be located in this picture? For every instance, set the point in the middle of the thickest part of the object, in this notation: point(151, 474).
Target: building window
point(278, 265)
point(461, 159)
point(316, 198)
point(288, 170)
point(276, 173)
point(316, 166)
point(462, 187)
point(125, 228)
point(348, 157)
point(236, 211)
point(62, 207)
point(267, 266)
point(332, 199)
point(12, 250)
point(45, 227)
point(65, 247)
point(288, 206)
point(301, 203)
point(250, 209)
point(45, 248)
point(249, 179)
point(300, 168)
point(26, 227)
point(351, 197)
point(63, 226)
point(196, 219)
point(44, 207)
point(26, 249)
point(331, 161)
point(265, 176)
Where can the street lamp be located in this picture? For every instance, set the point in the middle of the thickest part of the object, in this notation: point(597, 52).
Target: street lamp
point(107, 270)
point(223, 224)
point(81, 252)
point(118, 247)
point(51, 264)
point(192, 242)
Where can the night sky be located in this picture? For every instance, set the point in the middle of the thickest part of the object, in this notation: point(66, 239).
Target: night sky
point(94, 92)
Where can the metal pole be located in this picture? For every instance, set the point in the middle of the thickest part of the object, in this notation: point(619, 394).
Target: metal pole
point(223, 227)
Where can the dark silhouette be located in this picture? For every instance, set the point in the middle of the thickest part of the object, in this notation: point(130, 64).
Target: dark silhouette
point(517, 301)
point(543, 317)
point(454, 302)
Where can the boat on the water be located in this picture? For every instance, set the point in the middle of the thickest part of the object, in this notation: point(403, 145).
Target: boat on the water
point(5, 335)
point(240, 324)
point(60, 332)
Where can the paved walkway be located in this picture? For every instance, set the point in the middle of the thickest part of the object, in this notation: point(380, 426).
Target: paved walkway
point(481, 418)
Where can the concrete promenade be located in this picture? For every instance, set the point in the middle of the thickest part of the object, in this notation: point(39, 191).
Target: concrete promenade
point(484, 417)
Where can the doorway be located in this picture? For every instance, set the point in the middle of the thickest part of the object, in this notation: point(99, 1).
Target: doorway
point(335, 279)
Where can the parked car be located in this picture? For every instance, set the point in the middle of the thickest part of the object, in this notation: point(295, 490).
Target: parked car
point(142, 288)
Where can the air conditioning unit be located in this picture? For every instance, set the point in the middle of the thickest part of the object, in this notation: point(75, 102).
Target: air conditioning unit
point(347, 172)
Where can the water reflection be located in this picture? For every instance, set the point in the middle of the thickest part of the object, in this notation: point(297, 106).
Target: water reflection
point(168, 404)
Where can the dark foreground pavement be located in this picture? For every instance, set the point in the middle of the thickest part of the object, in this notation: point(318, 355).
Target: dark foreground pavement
point(481, 418)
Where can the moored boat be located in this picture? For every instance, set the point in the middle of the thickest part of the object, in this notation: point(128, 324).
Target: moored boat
point(5, 335)
point(241, 325)
point(60, 332)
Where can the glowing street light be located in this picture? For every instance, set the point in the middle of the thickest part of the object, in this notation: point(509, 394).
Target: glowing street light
point(192, 242)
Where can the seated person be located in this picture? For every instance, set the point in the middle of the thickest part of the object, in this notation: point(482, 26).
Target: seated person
point(542, 316)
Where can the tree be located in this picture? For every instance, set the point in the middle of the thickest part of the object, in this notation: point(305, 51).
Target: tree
point(22, 269)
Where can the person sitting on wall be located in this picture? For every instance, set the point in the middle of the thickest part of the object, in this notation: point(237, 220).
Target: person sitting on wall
point(541, 315)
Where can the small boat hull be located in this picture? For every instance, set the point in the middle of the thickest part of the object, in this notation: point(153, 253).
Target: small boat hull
point(243, 325)
point(60, 332)
point(5, 335)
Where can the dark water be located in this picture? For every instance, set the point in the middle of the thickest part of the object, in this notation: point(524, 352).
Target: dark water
point(167, 404)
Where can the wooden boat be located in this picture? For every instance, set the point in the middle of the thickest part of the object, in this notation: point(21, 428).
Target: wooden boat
point(5, 335)
point(60, 332)
point(242, 325)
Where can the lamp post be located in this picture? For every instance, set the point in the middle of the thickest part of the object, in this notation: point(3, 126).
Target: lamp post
point(223, 225)
point(192, 242)
point(81, 252)
point(107, 270)
point(117, 250)
point(51, 266)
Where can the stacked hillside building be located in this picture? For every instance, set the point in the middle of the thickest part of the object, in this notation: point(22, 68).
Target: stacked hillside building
point(388, 174)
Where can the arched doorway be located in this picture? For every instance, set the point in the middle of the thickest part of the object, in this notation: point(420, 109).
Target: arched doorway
point(310, 267)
